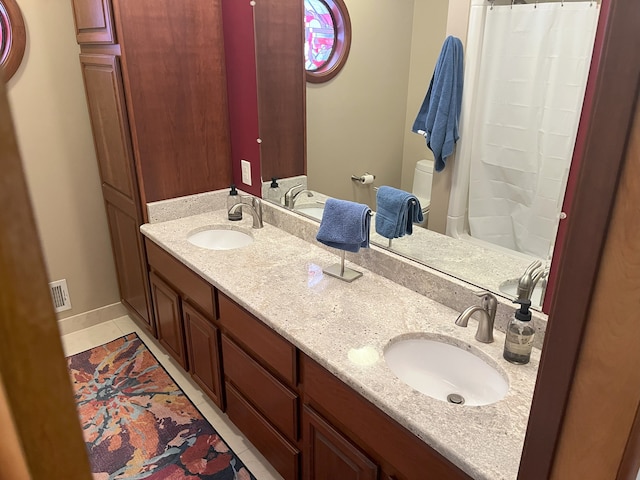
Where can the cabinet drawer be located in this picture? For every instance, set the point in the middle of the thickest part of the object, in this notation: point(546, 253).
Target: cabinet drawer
point(278, 354)
point(281, 454)
point(275, 401)
point(190, 285)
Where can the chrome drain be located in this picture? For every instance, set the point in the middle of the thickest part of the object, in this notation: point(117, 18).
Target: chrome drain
point(455, 398)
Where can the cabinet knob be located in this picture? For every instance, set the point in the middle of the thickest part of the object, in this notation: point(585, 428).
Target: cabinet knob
point(259, 140)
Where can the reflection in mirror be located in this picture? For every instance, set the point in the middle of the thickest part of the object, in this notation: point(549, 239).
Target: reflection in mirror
point(525, 74)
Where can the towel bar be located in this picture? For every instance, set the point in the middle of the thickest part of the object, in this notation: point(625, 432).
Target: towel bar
point(412, 201)
point(338, 270)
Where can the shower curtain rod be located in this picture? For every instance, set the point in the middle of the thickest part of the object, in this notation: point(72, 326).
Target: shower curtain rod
point(535, 2)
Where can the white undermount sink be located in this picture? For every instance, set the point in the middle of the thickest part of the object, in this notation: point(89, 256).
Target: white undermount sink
point(220, 239)
point(445, 372)
point(311, 210)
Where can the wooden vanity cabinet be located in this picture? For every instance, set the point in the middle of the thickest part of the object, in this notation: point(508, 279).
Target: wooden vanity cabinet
point(305, 421)
point(337, 419)
point(185, 310)
point(261, 386)
point(155, 82)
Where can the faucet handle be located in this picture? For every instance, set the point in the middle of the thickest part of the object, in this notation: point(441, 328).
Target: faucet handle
point(533, 267)
point(489, 302)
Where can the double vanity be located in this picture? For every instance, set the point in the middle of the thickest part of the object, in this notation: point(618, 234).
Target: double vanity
point(369, 379)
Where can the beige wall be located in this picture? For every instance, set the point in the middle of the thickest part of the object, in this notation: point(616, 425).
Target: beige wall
point(54, 135)
point(357, 122)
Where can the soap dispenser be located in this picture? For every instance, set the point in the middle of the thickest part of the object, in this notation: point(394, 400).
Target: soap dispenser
point(275, 192)
point(520, 331)
point(232, 199)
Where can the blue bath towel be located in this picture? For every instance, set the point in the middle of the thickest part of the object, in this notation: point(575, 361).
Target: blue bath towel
point(396, 212)
point(440, 111)
point(345, 225)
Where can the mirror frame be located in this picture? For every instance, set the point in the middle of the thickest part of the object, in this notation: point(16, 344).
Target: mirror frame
point(18, 38)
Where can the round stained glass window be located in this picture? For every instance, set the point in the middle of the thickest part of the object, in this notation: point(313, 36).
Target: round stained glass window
point(12, 37)
point(327, 38)
point(320, 34)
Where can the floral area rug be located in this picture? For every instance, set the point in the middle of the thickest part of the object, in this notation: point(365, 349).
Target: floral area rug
point(138, 424)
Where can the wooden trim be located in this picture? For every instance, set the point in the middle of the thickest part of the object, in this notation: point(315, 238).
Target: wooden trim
point(616, 82)
point(32, 363)
point(630, 466)
point(605, 393)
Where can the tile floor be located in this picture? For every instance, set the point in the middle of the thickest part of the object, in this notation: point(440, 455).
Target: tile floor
point(82, 340)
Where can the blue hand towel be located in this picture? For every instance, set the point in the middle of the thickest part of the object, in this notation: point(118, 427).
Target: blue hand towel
point(345, 225)
point(440, 111)
point(396, 212)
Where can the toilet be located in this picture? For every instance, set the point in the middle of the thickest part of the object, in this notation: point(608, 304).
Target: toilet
point(422, 178)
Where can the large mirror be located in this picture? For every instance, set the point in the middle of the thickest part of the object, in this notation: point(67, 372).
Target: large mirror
point(495, 207)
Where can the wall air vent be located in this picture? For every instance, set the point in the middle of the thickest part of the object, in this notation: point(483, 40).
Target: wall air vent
point(60, 295)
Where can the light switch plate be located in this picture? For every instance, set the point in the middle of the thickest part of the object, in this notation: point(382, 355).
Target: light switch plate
point(245, 167)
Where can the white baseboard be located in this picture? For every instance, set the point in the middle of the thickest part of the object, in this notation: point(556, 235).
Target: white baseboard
point(91, 318)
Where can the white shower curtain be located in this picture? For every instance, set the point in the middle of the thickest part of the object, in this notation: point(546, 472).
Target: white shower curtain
point(530, 75)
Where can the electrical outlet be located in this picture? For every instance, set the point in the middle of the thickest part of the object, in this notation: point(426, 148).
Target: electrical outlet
point(245, 167)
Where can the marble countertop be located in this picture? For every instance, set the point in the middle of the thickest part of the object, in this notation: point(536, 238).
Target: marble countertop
point(279, 279)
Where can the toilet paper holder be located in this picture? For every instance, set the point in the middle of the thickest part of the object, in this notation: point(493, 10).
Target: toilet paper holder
point(365, 179)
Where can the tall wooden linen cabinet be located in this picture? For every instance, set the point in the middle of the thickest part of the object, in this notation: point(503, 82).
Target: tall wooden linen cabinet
point(154, 75)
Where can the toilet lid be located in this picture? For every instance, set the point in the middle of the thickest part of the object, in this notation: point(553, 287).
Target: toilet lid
point(425, 203)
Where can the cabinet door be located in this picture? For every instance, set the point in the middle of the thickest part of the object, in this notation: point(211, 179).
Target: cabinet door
point(105, 99)
point(130, 263)
point(109, 123)
point(203, 352)
point(166, 306)
point(93, 21)
point(329, 455)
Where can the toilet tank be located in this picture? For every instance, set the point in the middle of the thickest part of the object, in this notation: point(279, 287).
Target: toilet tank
point(422, 178)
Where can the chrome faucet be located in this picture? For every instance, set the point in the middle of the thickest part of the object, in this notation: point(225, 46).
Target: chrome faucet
point(488, 308)
point(530, 278)
point(255, 208)
point(289, 195)
point(309, 194)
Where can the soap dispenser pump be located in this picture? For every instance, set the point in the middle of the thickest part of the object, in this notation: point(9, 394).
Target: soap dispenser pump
point(520, 332)
point(232, 199)
point(275, 192)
